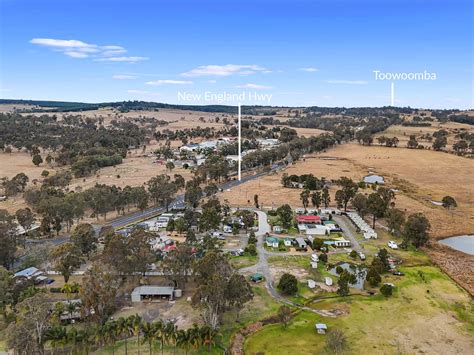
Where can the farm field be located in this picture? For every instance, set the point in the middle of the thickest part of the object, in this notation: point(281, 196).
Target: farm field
point(403, 132)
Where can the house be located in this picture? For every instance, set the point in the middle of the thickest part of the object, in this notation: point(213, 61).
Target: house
point(277, 229)
point(374, 179)
point(341, 242)
point(308, 219)
point(272, 242)
point(301, 244)
point(321, 328)
point(192, 147)
point(208, 145)
point(287, 242)
point(149, 292)
point(267, 143)
point(28, 274)
point(162, 221)
point(313, 229)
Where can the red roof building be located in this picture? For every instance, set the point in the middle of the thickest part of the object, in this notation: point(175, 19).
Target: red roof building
point(308, 219)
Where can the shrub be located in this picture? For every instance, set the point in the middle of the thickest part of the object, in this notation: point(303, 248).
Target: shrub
point(336, 341)
point(386, 290)
point(323, 257)
point(288, 284)
point(353, 254)
point(373, 277)
point(251, 249)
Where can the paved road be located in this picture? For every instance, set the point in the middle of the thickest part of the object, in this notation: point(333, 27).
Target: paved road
point(349, 231)
point(178, 202)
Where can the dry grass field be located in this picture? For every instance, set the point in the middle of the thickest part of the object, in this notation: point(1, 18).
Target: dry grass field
point(135, 170)
point(403, 132)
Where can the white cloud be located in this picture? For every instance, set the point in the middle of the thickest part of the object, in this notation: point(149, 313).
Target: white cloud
point(61, 43)
point(212, 81)
point(122, 59)
point(309, 69)
point(223, 70)
point(348, 82)
point(169, 82)
point(124, 77)
point(76, 54)
point(79, 49)
point(254, 86)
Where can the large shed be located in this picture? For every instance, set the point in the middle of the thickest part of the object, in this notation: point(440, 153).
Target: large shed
point(142, 292)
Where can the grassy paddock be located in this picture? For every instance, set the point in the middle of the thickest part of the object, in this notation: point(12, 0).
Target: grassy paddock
point(438, 321)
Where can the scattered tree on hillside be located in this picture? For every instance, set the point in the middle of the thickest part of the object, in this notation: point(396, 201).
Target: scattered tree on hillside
point(285, 214)
point(326, 197)
point(395, 221)
point(66, 259)
point(84, 238)
point(416, 229)
point(376, 206)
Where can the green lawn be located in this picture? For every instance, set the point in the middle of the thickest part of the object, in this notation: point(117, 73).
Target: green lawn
point(240, 262)
point(438, 321)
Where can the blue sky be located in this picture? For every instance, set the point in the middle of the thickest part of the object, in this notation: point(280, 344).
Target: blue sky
point(300, 52)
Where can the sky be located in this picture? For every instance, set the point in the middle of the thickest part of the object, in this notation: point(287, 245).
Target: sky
point(281, 53)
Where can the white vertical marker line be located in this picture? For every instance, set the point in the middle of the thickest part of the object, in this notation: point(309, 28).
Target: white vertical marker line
point(240, 141)
point(393, 94)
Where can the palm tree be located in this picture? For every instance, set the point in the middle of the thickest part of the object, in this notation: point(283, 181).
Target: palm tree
point(124, 329)
point(208, 336)
point(110, 333)
point(99, 335)
point(56, 335)
point(171, 334)
point(195, 336)
point(71, 309)
point(73, 338)
point(160, 333)
point(149, 333)
point(67, 289)
point(183, 340)
point(136, 324)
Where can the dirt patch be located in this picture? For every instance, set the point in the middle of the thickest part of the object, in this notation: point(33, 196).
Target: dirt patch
point(298, 272)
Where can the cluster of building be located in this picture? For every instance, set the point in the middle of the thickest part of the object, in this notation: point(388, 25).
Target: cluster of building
point(369, 233)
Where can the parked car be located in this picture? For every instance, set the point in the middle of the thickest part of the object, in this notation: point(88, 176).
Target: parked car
point(392, 245)
point(227, 229)
point(218, 235)
point(361, 256)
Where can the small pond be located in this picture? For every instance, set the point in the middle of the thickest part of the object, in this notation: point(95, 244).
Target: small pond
point(360, 274)
point(464, 243)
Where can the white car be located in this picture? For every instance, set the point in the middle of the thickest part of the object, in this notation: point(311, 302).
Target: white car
point(392, 245)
